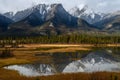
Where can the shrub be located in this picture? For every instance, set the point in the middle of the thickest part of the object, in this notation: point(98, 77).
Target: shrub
point(6, 53)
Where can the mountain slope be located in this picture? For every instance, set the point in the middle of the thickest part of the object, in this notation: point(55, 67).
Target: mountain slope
point(20, 15)
point(49, 20)
point(4, 22)
point(111, 22)
point(87, 14)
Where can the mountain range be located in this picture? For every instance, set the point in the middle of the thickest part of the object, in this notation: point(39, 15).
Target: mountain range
point(53, 19)
point(102, 21)
point(87, 14)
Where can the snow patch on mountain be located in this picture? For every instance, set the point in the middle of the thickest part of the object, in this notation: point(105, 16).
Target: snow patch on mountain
point(43, 10)
point(87, 14)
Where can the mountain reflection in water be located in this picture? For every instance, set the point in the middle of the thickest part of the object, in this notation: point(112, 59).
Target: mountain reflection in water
point(99, 60)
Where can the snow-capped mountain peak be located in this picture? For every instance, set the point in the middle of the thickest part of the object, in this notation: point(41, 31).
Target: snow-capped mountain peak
point(86, 13)
point(81, 6)
point(43, 10)
point(78, 10)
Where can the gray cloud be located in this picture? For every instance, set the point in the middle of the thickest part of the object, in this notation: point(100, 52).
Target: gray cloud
point(97, 5)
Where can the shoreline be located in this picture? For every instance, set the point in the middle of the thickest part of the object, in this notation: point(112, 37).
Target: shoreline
point(59, 45)
point(45, 48)
point(26, 55)
point(69, 45)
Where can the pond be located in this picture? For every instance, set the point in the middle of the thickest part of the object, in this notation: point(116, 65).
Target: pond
point(105, 59)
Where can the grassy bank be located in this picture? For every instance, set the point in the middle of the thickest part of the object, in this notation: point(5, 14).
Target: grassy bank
point(26, 54)
point(13, 75)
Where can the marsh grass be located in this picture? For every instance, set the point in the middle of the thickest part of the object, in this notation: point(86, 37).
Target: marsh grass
point(27, 55)
point(13, 75)
point(6, 53)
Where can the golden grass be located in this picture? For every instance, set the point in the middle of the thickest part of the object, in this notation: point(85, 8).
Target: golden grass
point(10, 61)
point(84, 76)
point(56, 45)
point(52, 47)
point(13, 75)
point(69, 49)
point(68, 45)
point(27, 55)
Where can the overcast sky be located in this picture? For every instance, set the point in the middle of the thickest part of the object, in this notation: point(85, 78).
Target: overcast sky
point(97, 5)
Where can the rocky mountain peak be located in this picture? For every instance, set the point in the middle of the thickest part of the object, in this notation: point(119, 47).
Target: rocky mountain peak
point(86, 13)
point(43, 16)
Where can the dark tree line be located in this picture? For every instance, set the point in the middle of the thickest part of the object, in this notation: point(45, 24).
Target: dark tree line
point(62, 39)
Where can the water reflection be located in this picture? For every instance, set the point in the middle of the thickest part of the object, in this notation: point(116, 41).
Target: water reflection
point(98, 60)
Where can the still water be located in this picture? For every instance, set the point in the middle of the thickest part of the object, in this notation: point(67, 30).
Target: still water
point(107, 59)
